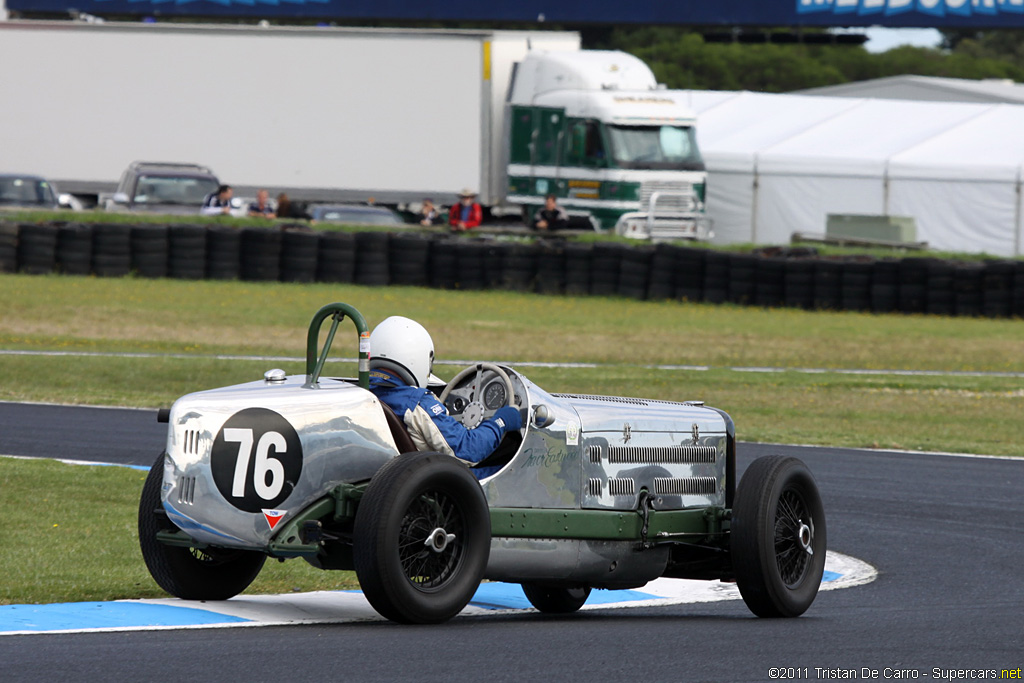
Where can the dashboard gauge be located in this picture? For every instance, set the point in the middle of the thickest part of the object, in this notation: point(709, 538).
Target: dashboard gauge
point(495, 396)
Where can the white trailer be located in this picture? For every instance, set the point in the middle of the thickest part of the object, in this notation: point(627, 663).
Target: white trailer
point(392, 115)
point(324, 113)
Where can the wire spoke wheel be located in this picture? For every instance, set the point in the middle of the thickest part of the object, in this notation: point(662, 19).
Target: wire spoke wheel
point(429, 541)
point(778, 538)
point(422, 538)
point(792, 538)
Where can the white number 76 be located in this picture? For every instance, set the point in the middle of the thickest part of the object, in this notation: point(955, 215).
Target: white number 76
point(263, 465)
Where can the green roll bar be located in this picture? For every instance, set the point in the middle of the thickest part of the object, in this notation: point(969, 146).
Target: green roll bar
point(337, 312)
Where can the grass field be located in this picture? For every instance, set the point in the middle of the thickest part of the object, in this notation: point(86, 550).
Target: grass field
point(53, 512)
point(187, 326)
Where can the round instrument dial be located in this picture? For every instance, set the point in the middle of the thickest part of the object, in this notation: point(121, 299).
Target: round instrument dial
point(495, 395)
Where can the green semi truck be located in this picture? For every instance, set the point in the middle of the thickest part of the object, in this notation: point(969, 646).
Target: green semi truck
point(594, 129)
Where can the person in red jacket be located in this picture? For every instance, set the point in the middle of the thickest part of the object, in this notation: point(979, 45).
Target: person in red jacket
point(467, 214)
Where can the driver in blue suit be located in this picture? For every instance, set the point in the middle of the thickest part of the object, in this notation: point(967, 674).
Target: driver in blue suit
point(402, 356)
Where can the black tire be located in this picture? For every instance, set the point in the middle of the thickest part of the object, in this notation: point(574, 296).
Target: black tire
point(149, 246)
point(690, 265)
point(260, 255)
point(336, 261)
point(372, 267)
point(577, 268)
point(37, 249)
point(556, 599)
point(605, 262)
point(409, 259)
point(662, 282)
point(778, 515)
point(409, 499)
point(8, 247)
point(223, 253)
point(470, 265)
point(519, 268)
point(74, 249)
point(550, 269)
point(188, 573)
point(443, 261)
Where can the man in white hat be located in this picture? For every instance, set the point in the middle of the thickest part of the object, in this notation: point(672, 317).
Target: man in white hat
point(467, 214)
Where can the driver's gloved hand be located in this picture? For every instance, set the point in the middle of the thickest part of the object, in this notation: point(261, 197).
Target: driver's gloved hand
point(509, 419)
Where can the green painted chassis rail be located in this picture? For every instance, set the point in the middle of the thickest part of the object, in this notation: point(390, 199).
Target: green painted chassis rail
point(663, 526)
point(606, 525)
point(337, 312)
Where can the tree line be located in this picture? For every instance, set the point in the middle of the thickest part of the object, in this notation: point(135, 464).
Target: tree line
point(683, 59)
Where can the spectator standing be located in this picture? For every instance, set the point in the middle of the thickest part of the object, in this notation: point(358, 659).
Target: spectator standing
point(552, 216)
point(287, 209)
point(429, 213)
point(218, 203)
point(261, 208)
point(467, 214)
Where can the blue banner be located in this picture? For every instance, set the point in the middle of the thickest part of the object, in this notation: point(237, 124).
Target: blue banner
point(893, 13)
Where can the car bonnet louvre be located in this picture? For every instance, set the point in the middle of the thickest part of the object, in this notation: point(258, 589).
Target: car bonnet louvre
point(649, 455)
point(685, 486)
point(622, 487)
point(607, 399)
point(186, 490)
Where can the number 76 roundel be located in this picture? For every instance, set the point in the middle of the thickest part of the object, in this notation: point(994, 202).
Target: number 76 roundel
point(256, 459)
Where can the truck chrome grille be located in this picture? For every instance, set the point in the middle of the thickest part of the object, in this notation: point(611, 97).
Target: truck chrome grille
point(594, 453)
point(685, 486)
point(594, 486)
point(662, 454)
point(676, 197)
point(621, 487)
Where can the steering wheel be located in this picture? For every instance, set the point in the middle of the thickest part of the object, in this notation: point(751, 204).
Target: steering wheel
point(475, 412)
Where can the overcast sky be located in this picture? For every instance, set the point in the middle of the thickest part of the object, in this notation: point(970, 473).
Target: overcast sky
point(882, 39)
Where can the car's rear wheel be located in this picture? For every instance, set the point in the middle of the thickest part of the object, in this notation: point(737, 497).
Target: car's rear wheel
point(778, 537)
point(189, 573)
point(556, 599)
point(422, 538)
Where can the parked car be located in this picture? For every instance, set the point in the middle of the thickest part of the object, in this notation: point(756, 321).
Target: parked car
point(32, 191)
point(353, 214)
point(160, 187)
point(592, 492)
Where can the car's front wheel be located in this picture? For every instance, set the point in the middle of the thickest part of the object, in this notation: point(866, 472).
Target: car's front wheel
point(189, 573)
point(778, 537)
point(556, 599)
point(422, 538)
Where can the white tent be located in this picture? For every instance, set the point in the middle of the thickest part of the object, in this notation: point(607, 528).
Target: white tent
point(779, 164)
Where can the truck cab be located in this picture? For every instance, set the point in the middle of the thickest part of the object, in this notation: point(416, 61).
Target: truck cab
point(595, 129)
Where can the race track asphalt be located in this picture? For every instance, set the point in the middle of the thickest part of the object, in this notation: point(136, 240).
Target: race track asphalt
point(946, 534)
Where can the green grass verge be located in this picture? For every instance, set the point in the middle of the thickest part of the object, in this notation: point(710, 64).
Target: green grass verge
point(630, 341)
point(69, 535)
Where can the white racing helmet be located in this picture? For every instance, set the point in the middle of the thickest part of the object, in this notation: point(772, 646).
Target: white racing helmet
point(404, 347)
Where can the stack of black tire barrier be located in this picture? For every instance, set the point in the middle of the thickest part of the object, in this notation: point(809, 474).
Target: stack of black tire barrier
point(74, 249)
point(150, 246)
point(768, 277)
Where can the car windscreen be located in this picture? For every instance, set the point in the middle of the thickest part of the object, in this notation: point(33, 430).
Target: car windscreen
point(170, 189)
point(655, 147)
point(26, 192)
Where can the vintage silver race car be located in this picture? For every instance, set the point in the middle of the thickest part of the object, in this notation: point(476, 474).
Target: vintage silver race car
point(593, 492)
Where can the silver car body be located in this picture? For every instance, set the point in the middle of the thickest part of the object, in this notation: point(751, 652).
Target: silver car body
point(589, 453)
